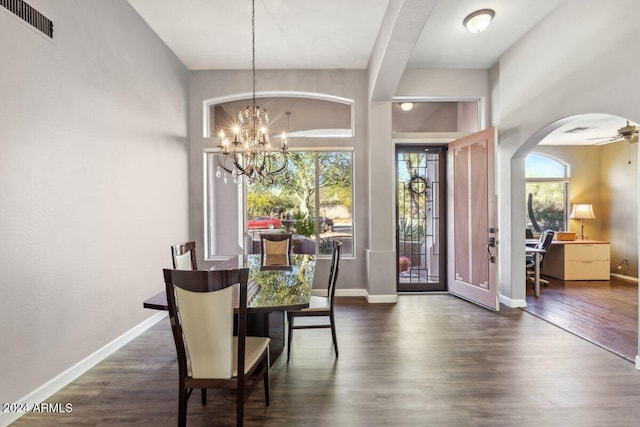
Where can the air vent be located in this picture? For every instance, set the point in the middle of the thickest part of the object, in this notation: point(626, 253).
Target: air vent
point(29, 15)
point(577, 129)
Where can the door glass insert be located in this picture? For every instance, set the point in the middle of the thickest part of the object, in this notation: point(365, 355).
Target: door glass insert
point(420, 218)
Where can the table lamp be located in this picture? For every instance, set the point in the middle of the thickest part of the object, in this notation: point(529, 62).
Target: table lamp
point(582, 212)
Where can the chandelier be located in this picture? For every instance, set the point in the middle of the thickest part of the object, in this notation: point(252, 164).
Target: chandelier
point(249, 153)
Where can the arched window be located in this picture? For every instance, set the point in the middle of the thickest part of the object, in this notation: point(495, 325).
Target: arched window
point(315, 203)
point(547, 182)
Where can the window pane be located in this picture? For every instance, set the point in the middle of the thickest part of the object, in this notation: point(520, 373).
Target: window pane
point(540, 166)
point(270, 205)
point(335, 213)
point(546, 205)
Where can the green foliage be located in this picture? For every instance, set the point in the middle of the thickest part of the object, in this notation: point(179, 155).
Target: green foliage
point(264, 203)
point(295, 189)
point(548, 200)
point(304, 224)
point(412, 230)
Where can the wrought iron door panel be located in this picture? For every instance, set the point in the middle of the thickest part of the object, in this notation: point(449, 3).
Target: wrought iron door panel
point(419, 215)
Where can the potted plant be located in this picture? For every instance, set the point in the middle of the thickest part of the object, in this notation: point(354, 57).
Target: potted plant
point(404, 264)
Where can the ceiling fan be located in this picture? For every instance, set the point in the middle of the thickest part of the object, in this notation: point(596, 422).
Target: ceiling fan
point(628, 133)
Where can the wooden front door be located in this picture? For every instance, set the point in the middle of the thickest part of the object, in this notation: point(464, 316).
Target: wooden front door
point(472, 219)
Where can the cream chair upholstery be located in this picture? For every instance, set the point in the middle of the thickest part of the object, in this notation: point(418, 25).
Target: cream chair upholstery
point(201, 311)
point(184, 256)
point(276, 248)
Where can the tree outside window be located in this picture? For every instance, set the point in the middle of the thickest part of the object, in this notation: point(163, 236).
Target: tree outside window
point(547, 182)
point(316, 192)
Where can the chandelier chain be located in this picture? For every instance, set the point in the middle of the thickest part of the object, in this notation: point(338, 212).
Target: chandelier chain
point(249, 153)
point(253, 49)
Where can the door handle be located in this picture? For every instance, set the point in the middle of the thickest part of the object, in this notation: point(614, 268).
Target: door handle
point(491, 244)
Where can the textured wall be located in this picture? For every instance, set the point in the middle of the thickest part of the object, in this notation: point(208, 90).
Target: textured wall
point(93, 183)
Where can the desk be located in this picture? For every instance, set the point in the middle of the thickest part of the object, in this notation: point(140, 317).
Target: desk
point(272, 291)
point(578, 260)
point(537, 254)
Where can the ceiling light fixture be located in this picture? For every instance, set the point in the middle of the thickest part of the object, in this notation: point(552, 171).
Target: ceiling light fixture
point(406, 106)
point(479, 20)
point(250, 154)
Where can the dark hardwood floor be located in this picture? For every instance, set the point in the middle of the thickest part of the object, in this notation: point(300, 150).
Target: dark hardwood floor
point(603, 312)
point(429, 360)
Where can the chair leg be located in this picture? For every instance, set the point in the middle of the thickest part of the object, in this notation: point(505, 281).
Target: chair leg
point(240, 406)
point(204, 396)
point(333, 333)
point(182, 408)
point(265, 380)
point(290, 334)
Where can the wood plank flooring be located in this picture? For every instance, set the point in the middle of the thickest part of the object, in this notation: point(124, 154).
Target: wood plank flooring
point(429, 360)
point(603, 312)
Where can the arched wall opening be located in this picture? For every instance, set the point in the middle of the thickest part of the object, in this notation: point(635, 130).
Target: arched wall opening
point(616, 200)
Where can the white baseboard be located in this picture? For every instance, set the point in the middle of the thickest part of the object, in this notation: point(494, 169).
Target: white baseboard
point(351, 292)
point(512, 303)
point(622, 276)
point(46, 390)
point(373, 299)
point(638, 363)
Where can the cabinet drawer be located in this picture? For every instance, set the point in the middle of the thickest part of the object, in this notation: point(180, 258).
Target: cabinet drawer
point(586, 252)
point(586, 270)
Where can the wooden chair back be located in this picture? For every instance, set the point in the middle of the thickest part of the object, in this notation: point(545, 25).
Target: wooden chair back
point(184, 256)
point(336, 251)
point(276, 248)
point(201, 312)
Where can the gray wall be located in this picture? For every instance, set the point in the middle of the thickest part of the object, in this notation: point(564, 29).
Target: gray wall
point(93, 183)
point(351, 84)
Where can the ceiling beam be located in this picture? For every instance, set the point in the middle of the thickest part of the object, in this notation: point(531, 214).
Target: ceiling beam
point(401, 27)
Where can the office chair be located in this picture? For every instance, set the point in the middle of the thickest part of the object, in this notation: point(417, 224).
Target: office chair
point(544, 243)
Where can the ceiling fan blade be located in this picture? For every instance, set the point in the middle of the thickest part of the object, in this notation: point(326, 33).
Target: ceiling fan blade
point(602, 137)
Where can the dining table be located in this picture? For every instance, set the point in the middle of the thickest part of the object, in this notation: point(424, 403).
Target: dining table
point(276, 284)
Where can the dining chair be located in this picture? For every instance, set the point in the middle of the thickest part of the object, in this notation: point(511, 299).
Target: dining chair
point(201, 311)
point(276, 243)
point(184, 256)
point(319, 306)
point(544, 243)
point(275, 248)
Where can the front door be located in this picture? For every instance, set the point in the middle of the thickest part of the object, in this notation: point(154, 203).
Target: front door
point(472, 219)
point(420, 218)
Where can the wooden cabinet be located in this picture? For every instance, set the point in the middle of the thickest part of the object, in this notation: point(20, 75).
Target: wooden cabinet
point(578, 260)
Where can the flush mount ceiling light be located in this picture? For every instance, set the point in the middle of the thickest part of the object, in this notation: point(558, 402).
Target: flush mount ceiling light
point(479, 20)
point(406, 106)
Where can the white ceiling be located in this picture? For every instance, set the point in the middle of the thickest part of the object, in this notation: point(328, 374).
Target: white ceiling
point(342, 34)
point(330, 34)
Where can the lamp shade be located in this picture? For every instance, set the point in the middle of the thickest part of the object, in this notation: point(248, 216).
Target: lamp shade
point(582, 211)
